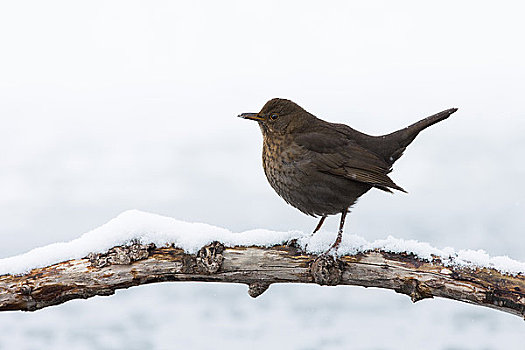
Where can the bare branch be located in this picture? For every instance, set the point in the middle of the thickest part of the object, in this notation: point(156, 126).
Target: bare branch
point(258, 267)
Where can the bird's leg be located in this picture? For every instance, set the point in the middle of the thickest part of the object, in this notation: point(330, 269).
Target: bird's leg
point(319, 224)
point(327, 269)
point(340, 232)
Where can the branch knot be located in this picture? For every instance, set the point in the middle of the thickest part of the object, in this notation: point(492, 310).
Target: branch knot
point(415, 290)
point(326, 271)
point(209, 258)
point(121, 255)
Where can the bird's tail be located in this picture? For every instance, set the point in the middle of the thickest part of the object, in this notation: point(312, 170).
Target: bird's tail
point(399, 140)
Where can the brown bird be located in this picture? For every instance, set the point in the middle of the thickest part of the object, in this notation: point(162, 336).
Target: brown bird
point(322, 168)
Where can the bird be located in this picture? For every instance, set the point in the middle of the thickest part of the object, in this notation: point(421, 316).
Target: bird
point(322, 168)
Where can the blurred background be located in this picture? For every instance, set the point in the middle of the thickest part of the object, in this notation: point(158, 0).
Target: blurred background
point(114, 105)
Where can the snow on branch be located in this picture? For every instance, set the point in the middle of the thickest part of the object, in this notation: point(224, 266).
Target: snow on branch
point(139, 248)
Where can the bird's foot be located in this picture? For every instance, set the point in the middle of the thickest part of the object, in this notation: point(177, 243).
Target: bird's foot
point(317, 228)
point(308, 242)
point(293, 243)
point(334, 246)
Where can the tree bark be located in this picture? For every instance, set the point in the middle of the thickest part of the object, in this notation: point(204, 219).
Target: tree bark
point(258, 267)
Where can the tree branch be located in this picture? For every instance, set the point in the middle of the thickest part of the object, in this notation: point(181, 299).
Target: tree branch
point(258, 267)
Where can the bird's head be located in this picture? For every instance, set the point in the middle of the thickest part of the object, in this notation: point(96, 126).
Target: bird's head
point(279, 116)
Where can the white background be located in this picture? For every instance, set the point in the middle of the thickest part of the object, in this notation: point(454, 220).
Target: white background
point(113, 105)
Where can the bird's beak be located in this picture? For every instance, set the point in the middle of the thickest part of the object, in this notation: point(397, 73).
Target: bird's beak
point(252, 116)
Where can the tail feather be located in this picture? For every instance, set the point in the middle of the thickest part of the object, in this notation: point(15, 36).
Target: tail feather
point(399, 140)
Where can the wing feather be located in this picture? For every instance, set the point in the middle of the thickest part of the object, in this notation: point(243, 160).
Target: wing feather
point(343, 157)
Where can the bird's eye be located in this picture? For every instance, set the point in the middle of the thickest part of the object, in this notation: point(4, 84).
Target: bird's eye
point(274, 116)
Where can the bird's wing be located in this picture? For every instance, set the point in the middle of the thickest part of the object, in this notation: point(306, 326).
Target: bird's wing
point(330, 152)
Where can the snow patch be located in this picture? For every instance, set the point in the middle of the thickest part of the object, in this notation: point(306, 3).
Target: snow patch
point(161, 230)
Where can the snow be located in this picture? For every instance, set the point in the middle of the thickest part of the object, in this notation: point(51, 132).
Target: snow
point(146, 227)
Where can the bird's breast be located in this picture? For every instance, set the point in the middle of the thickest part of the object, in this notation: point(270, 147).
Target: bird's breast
point(277, 159)
point(292, 173)
point(283, 168)
point(273, 159)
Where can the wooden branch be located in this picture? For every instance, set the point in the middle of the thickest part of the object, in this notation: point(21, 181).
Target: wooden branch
point(127, 266)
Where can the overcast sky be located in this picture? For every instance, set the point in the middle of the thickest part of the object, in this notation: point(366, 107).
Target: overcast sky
point(108, 106)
